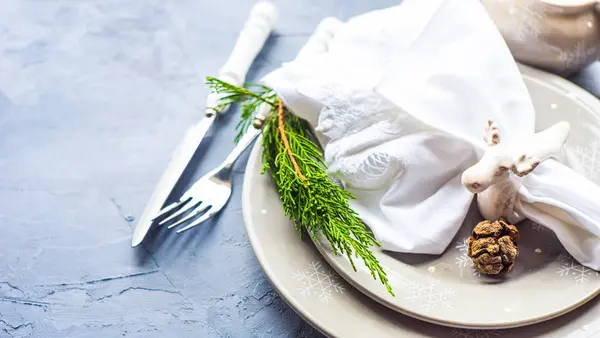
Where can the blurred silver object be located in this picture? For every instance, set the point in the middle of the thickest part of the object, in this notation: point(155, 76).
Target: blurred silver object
point(561, 36)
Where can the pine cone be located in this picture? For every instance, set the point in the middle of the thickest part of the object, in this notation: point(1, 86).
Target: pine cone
point(493, 247)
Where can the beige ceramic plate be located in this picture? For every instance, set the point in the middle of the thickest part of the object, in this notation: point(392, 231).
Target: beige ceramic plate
point(546, 283)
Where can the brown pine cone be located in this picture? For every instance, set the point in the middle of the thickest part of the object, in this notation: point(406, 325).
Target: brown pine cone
point(493, 247)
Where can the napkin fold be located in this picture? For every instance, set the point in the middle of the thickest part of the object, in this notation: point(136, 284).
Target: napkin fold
point(400, 100)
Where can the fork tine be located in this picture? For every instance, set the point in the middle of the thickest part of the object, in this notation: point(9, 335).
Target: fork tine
point(200, 209)
point(203, 218)
point(164, 211)
point(191, 205)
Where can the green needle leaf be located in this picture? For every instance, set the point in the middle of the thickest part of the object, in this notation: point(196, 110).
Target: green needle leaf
point(312, 201)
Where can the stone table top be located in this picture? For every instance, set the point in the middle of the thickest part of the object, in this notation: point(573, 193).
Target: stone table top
point(94, 97)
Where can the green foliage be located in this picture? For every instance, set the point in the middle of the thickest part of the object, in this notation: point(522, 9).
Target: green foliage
point(251, 97)
point(316, 204)
point(309, 198)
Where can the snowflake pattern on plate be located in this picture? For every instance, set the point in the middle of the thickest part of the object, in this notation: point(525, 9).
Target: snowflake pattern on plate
point(589, 158)
point(318, 281)
point(463, 260)
point(429, 295)
point(570, 267)
point(538, 227)
point(467, 333)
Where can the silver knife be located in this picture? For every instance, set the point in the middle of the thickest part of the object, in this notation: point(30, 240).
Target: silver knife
point(249, 43)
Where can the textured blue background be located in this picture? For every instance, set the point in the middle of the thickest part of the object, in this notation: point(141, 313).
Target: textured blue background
point(94, 96)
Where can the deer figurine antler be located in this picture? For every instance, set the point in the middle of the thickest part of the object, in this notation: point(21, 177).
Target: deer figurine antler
point(490, 178)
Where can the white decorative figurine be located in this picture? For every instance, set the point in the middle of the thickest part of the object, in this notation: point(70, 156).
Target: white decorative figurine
point(490, 178)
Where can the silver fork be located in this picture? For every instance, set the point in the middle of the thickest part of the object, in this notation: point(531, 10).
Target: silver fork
point(211, 192)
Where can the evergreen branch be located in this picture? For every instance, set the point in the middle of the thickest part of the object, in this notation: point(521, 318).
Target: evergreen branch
point(286, 143)
point(250, 99)
point(309, 198)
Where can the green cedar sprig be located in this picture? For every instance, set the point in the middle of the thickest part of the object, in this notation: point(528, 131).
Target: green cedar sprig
point(252, 96)
point(309, 198)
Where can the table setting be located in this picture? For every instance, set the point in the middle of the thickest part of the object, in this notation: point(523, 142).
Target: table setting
point(350, 108)
point(398, 173)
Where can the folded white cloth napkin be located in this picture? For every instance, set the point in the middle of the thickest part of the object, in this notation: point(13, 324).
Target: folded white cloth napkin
point(400, 101)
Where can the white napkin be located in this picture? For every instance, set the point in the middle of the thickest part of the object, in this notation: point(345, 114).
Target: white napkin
point(400, 101)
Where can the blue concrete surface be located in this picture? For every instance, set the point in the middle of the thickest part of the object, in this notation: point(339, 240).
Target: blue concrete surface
point(94, 96)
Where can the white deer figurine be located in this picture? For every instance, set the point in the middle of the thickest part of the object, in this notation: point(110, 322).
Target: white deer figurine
point(490, 178)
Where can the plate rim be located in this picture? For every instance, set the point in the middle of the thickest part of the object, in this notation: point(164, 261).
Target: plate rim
point(449, 323)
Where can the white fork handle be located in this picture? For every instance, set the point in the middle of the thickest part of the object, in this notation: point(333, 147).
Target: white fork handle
point(249, 43)
point(319, 41)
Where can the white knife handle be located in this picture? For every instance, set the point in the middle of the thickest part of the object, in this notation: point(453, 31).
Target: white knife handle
point(319, 41)
point(249, 43)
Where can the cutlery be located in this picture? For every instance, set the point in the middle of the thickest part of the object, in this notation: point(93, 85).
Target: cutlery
point(211, 192)
point(248, 45)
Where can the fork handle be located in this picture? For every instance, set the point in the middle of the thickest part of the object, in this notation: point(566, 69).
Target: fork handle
point(244, 142)
point(247, 139)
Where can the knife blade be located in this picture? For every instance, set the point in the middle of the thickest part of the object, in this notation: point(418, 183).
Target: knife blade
point(179, 161)
point(248, 45)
